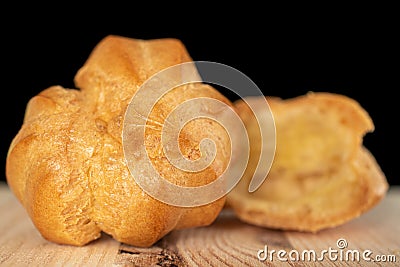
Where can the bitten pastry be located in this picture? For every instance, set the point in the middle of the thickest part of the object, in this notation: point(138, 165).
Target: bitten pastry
point(321, 176)
point(66, 165)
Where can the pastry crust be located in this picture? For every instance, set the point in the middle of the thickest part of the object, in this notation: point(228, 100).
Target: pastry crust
point(66, 164)
point(321, 176)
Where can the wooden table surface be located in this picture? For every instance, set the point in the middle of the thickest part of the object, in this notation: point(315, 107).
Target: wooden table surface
point(227, 242)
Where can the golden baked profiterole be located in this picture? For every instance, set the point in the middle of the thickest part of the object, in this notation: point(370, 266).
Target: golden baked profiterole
point(66, 165)
point(321, 176)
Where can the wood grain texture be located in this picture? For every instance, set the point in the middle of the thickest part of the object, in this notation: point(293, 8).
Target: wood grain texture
point(227, 242)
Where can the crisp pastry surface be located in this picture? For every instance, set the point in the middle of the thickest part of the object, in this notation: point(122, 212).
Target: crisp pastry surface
point(321, 176)
point(66, 164)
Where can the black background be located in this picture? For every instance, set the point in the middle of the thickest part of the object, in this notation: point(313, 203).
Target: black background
point(285, 56)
